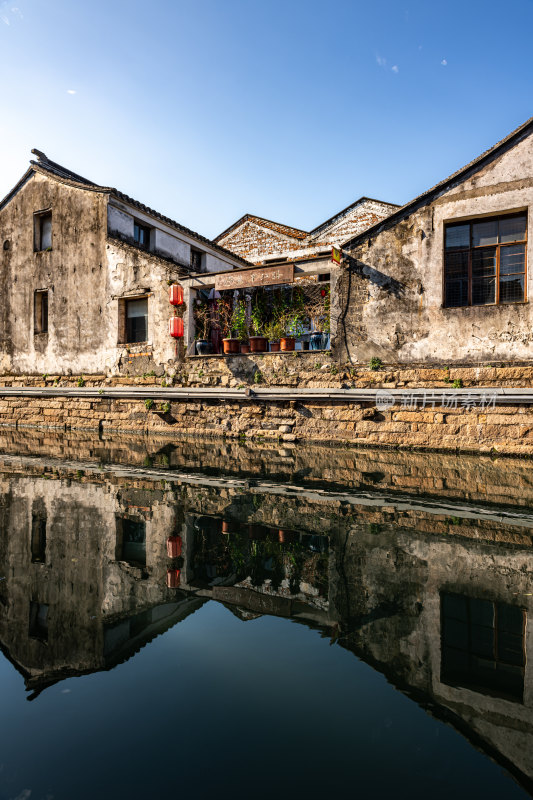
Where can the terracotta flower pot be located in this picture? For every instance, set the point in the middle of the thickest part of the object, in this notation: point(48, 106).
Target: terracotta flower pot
point(231, 345)
point(287, 343)
point(245, 348)
point(274, 347)
point(258, 344)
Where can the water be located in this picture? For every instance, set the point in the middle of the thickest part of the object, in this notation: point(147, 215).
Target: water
point(258, 621)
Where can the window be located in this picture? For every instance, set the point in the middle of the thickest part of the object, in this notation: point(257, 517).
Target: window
point(485, 261)
point(38, 536)
point(141, 235)
point(131, 541)
point(42, 231)
point(40, 311)
point(196, 260)
point(137, 320)
point(39, 621)
point(482, 645)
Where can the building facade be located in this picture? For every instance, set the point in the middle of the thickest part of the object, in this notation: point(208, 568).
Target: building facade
point(85, 271)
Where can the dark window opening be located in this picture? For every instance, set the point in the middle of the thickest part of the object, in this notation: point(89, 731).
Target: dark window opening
point(39, 621)
point(141, 235)
point(196, 260)
point(40, 311)
point(137, 320)
point(485, 261)
point(42, 231)
point(131, 541)
point(38, 538)
point(483, 646)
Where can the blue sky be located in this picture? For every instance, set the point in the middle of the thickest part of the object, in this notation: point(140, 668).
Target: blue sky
point(209, 109)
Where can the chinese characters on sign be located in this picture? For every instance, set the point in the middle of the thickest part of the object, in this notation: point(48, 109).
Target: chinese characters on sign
point(445, 400)
point(264, 276)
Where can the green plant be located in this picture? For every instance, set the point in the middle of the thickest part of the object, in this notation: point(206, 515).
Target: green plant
point(375, 363)
point(45, 376)
point(333, 369)
point(200, 373)
point(80, 382)
point(148, 403)
point(165, 408)
point(318, 365)
point(239, 323)
point(257, 377)
point(274, 330)
point(150, 374)
point(457, 384)
point(56, 382)
point(100, 391)
point(163, 382)
point(293, 324)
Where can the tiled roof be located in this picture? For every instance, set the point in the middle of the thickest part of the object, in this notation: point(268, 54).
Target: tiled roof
point(456, 177)
point(286, 230)
point(46, 165)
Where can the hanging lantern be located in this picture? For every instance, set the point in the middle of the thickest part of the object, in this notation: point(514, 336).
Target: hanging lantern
point(175, 295)
point(173, 579)
point(174, 546)
point(175, 327)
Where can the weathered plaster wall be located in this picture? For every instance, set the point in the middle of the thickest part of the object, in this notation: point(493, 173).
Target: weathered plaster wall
point(73, 271)
point(86, 273)
point(392, 293)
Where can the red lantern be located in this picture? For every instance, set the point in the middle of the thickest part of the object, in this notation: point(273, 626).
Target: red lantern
point(175, 295)
point(174, 546)
point(173, 579)
point(175, 327)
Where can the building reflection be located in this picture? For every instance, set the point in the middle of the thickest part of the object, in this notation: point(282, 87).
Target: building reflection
point(96, 566)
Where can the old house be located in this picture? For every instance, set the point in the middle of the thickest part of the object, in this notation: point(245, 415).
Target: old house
point(85, 271)
point(447, 278)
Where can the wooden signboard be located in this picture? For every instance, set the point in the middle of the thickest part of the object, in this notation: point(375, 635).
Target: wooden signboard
point(261, 276)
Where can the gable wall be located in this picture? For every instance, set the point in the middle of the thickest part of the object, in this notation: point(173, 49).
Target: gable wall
point(255, 242)
point(394, 299)
point(354, 222)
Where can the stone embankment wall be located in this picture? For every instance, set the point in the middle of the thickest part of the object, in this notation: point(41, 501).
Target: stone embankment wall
point(298, 370)
point(506, 429)
point(469, 426)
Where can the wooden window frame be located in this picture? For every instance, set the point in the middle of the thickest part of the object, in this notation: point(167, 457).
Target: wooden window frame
point(148, 232)
point(40, 311)
point(471, 248)
point(38, 219)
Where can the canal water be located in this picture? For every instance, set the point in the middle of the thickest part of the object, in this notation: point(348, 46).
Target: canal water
point(199, 619)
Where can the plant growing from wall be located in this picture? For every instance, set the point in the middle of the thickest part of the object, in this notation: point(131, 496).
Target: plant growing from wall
point(375, 363)
point(148, 403)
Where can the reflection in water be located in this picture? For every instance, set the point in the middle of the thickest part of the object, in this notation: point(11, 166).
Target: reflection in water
point(483, 645)
point(95, 565)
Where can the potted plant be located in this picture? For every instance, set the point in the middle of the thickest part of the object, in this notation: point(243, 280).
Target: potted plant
point(293, 329)
point(274, 331)
point(225, 311)
point(202, 324)
point(258, 340)
point(239, 326)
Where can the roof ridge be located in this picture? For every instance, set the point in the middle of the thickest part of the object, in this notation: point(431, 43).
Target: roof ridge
point(348, 208)
point(46, 164)
point(248, 216)
point(429, 194)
